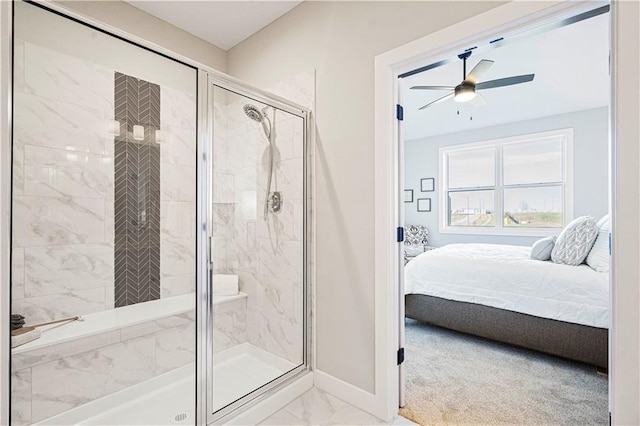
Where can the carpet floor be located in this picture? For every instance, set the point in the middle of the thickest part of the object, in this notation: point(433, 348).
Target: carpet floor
point(455, 378)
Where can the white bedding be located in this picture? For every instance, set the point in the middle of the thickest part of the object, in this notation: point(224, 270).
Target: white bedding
point(505, 277)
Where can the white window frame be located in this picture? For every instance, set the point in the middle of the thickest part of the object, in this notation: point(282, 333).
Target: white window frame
point(499, 229)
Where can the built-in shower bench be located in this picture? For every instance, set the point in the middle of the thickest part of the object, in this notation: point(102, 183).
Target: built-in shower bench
point(112, 350)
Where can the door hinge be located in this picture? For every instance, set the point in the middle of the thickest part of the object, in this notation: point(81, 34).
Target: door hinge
point(400, 356)
point(399, 112)
point(610, 251)
point(400, 234)
point(609, 418)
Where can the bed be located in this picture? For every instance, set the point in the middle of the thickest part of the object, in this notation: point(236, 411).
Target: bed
point(498, 292)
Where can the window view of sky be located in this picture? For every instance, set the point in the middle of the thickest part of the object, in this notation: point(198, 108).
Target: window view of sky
point(531, 189)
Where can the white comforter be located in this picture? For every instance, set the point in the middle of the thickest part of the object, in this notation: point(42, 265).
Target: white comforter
point(505, 277)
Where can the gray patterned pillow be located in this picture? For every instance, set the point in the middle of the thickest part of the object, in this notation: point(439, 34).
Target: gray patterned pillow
point(575, 241)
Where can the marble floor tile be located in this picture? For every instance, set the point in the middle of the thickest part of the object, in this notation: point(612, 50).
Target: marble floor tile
point(350, 415)
point(315, 407)
point(402, 421)
point(283, 418)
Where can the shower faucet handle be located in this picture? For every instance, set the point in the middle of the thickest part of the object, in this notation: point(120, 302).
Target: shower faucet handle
point(275, 201)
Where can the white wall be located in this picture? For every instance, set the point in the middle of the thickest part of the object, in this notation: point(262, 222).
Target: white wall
point(590, 152)
point(340, 40)
point(625, 298)
point(134, 21)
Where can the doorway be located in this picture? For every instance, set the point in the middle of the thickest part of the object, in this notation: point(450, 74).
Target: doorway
point(506, 19)
point(484, 180)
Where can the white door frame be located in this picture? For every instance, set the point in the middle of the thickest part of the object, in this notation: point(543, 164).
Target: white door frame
point(624, 371)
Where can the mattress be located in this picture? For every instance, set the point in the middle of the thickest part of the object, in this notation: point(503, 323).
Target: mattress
point(503, 276)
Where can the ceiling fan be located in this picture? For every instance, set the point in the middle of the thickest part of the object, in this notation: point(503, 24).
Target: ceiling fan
point(466, 91)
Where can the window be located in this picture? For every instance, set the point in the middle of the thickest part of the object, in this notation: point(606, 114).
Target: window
point(515, 186)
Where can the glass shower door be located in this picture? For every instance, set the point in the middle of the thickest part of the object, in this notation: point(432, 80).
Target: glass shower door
point(103, 227)
point(258, 237)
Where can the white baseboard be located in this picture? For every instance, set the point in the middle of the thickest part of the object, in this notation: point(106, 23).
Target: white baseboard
point(349, 393)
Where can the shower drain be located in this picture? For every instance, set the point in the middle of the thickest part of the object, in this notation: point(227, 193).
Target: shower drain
point(180, 418)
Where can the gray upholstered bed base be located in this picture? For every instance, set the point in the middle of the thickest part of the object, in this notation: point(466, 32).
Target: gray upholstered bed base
point(577, 342)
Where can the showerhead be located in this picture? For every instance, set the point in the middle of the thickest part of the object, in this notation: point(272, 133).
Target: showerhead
point(261, 117)
point(253, 113)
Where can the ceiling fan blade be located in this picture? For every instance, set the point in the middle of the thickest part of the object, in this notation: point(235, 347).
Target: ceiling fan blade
point(433, 87)
point(478, 71)
point(508, 81)
point(478, 100)
point(437, 101)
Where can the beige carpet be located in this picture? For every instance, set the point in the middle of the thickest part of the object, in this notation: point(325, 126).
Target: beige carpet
point(454, 378)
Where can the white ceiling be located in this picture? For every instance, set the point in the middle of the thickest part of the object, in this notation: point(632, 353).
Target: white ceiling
point(223, 23)
point(571, 74)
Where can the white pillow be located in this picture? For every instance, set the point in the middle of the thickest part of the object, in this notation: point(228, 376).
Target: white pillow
point(541, 249)
point(412, 250)
point(598, 257)
point(575, 241)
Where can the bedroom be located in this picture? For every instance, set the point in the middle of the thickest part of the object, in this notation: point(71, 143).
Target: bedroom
point(536, 155)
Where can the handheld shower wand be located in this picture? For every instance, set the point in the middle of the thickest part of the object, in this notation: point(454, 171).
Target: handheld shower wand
point(261, 117)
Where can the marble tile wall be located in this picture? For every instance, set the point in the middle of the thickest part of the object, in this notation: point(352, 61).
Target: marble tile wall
point(52, 380)
point(229, 325)
point(224, 205)
point(63, 232)
point(177, 192)
point(300, 88)
point(267, 255)
point(63, 185)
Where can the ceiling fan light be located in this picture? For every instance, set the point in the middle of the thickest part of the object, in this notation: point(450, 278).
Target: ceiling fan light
point(464, 93)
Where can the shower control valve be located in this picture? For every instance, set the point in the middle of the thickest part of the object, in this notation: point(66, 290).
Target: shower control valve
point(275, 201)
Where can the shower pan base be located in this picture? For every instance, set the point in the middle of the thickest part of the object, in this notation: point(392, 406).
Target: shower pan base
point(169, 399)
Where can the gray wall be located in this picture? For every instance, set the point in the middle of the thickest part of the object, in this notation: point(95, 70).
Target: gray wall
point(340, 40)
point(590, 155)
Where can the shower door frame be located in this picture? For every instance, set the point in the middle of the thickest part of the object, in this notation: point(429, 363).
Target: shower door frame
point(6, 132)
point(204, 140)
point(216, 79)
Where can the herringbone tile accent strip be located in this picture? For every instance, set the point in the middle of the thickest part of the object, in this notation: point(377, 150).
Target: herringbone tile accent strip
point(137, 192)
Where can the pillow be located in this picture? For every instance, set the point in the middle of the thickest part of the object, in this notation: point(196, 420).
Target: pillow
point(411, 250)
point(541, 249)
point(575, 241)
point(598, 258)
point(603, 221)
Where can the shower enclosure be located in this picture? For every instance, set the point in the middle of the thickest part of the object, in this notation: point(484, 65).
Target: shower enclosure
point(258, 230)
point(166, 205)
